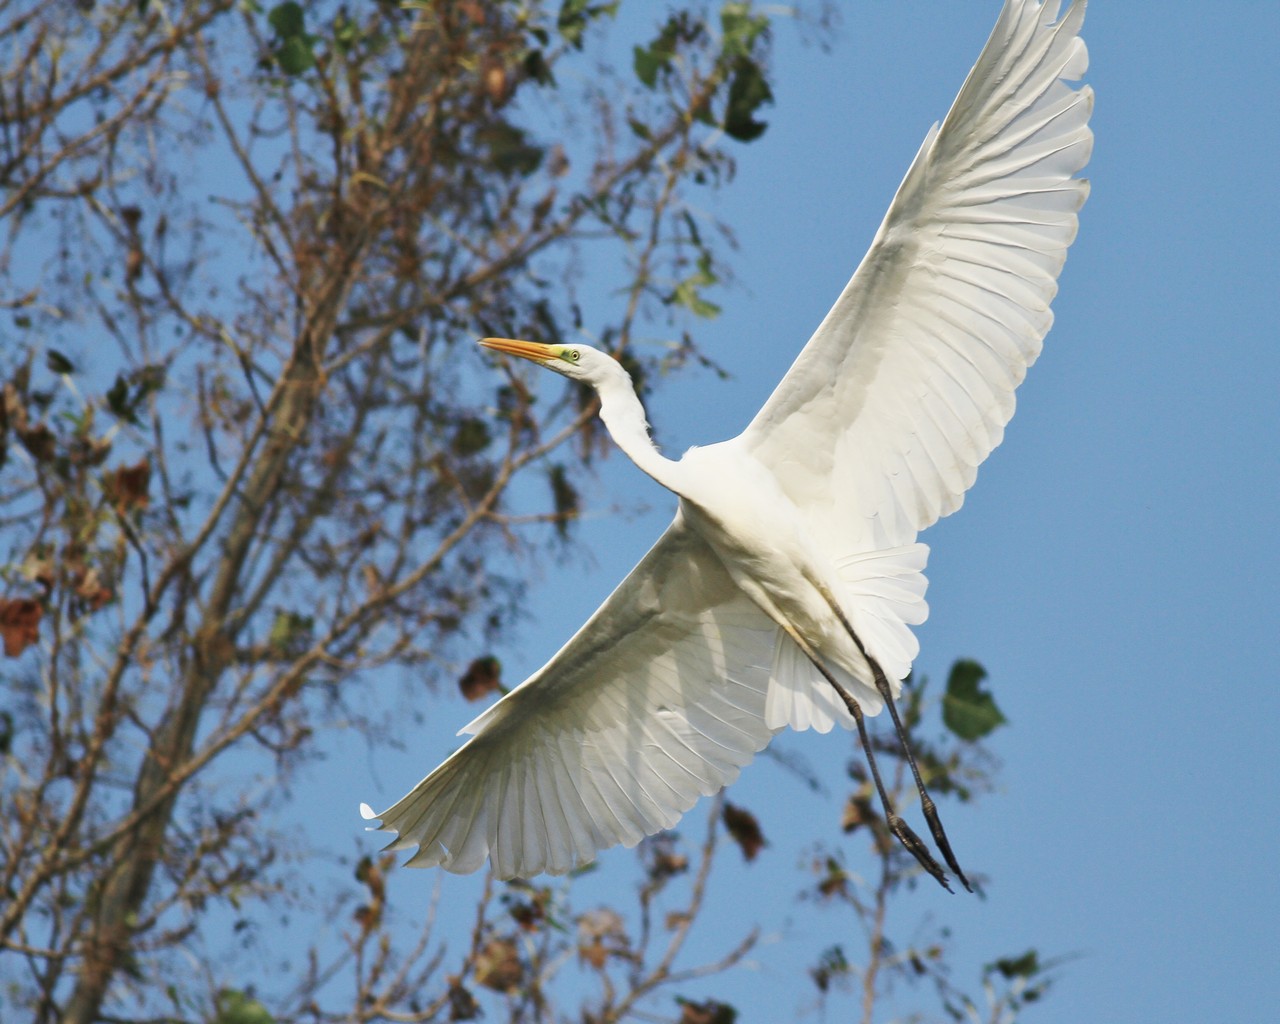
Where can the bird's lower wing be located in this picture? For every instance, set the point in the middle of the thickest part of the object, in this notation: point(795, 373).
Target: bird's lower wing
point(659, 699)
point(905, 388)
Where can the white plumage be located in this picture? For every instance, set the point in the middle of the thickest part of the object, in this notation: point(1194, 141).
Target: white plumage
point(791, 571)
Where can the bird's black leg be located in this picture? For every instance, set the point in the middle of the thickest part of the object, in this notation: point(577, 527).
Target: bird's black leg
point(897, 825)
point(910, 841)
point(927, 805)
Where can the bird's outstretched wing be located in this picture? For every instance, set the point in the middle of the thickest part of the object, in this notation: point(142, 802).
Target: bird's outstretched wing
point(878, 428)
point(657, 700)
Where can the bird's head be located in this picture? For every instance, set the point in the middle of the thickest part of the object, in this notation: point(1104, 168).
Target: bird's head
point(577, 362)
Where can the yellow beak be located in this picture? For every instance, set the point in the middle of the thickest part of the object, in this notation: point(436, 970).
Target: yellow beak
point(532, 350)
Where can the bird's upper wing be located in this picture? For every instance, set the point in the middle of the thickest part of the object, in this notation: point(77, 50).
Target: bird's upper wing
point(879, 426)
point(657, 700)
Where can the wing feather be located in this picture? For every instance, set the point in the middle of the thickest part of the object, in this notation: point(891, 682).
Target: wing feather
point(595, 812)
point(657, 700)
point(917, 363)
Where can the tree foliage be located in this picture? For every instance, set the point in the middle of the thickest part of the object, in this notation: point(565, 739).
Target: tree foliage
point(251, 463)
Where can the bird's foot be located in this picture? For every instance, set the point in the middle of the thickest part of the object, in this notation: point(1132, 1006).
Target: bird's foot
point(940, 838)
point(913, 845)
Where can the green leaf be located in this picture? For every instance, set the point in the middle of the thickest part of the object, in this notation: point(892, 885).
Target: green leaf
point(58, 363)
point(118, 400)
point(471, 436)
point(509, 149)
point(149, 378)
point(688, 292)
point(748, 92)
point(576, 15)
point(1025, 966)
point(741, 28)
point(537, 68)
point(128, 393)
point(346, 33)
point(295, 55)
point(287, 19)
point(639, 129)
point(565, 498)
point(657, 56)
point(235, 1007)
point(967, 710)
point(832, 964)
point(648, 62)
point(291, 632)
point(695, 236)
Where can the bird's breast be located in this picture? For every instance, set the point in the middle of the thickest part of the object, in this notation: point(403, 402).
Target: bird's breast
point(760, 536)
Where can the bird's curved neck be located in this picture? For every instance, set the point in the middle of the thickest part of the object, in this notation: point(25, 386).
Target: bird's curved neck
point(624, 417)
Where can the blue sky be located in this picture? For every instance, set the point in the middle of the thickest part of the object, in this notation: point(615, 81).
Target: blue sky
point(1113, 567)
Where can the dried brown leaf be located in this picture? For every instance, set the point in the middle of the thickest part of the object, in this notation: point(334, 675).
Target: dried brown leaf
point(602, 923)
point(744, 829)
point(498, 966)
point(39, 441)
point(19, 623)
point(857, 812)
point(531, 913)
point(495, 83)
point(709, 1012)
point(127, 486)
point(462, 1004)
point(594, 953)
point(676, 919)
point(38, 567)
point(367, 917)
point(92, 591)
point(483, 677)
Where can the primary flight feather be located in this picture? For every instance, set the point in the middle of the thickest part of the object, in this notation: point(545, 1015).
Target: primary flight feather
point(783, 592)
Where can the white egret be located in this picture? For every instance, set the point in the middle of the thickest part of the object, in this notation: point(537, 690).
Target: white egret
point(783, 592)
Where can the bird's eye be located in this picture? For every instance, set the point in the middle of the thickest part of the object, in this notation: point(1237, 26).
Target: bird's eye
point(573, 355)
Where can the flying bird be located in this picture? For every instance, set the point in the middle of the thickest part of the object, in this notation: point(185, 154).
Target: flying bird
point(783, 592)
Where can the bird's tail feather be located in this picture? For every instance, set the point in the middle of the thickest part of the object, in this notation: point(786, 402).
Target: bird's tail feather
point(882, 595)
